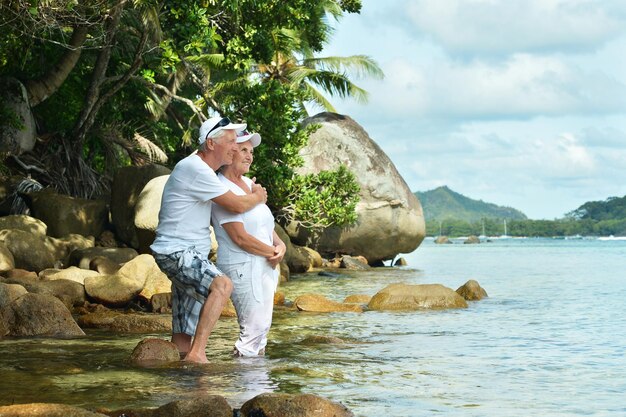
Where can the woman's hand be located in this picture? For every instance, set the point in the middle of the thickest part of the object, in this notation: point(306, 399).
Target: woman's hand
point(279, 254)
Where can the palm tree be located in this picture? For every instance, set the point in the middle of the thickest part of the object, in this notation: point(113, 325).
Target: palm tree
point(294, 63)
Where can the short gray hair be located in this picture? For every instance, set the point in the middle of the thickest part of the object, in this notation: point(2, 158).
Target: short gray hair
point(215, 138)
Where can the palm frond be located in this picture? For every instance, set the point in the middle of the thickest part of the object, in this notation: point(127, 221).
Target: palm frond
point(360, 65)
point(150, 149)
point(337, 84)
point(319, 99)
point(206, 61)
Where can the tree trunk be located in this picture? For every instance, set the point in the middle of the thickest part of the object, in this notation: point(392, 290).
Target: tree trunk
point(42, 88)
point(98, 74)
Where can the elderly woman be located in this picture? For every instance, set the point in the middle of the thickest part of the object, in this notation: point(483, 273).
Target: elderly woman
point(248, 251)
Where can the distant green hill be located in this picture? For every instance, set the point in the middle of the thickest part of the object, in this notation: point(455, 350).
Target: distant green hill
point(443, 203)
point(613, 208)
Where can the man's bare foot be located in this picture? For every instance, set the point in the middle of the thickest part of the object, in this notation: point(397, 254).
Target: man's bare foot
point(195, 358)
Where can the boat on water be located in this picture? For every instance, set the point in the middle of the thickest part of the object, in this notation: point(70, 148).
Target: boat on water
point(612, 237)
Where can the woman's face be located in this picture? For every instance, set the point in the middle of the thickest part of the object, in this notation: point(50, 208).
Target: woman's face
point(243, 159)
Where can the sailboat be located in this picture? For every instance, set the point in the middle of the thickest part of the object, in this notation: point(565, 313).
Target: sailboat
point(483, 236)
point(505, 236)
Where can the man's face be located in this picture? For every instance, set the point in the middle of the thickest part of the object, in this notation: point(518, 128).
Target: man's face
point(226, 146)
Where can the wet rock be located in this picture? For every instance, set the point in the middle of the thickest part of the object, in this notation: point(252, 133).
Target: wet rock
point(152, 351)
point(229, 310)
point(320, 304)
point(83, 257)
point(416, 297)
point(204, 405)
point(46, 410)
point(472, 291)
point(42, 315)
point(358, 299)
point(114, 321)
point(471, 240)
point(279, 298)
point(354, 263)
point(293, 405)
point(7, 262)
point(442, 240)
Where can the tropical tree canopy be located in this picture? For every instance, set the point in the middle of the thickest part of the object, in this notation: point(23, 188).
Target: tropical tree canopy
point(119, 82)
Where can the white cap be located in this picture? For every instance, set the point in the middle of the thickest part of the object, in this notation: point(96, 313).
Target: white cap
point(244, 136)
point(212, 126)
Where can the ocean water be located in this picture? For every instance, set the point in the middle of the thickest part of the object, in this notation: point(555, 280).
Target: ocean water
point(550, 340)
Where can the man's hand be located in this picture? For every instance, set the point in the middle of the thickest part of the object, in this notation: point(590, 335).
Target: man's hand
point(279, 254)
point(259, 191)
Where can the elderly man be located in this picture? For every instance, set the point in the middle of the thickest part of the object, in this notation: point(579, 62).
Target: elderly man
point(183, 239)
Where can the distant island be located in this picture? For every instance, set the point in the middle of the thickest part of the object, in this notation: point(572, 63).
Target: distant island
point(452, 214)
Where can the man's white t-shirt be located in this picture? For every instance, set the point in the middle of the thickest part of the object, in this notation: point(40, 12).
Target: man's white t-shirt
point(258, 222)
point(185, 214)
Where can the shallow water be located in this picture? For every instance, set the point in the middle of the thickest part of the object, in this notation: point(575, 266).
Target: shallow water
point(549, 340)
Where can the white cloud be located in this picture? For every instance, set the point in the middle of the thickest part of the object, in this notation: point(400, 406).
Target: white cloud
point(471, 27)
point(519, 103)
point(522, 86)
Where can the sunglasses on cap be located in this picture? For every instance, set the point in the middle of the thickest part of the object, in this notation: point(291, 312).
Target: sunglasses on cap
point(224, 122)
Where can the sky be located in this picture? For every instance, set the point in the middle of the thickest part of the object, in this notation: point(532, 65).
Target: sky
point(520, 103)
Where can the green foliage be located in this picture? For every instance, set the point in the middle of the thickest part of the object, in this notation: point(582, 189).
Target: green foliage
point(326, 199)
point(613, 208)
point(170, 63)
point(443, 203)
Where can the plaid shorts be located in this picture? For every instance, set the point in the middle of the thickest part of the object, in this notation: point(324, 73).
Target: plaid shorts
point(191, 277)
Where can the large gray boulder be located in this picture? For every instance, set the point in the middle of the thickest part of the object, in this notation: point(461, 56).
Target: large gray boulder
point(18, 132)
point(127, 185)
point(390, 218)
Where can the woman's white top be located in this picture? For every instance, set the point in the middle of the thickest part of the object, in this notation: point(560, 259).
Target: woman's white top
point(258, 222)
